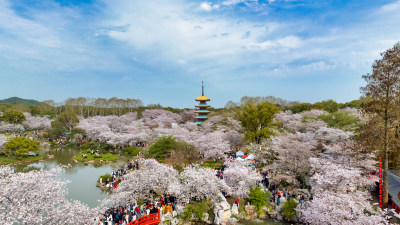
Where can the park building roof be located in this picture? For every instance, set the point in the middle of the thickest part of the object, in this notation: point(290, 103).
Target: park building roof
point(202, 98)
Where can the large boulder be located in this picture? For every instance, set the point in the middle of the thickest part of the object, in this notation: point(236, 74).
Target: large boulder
point(273, 215)
point(221, 209)
point(303, 192)
point(235, 209)
point(251, 211)
point(175, 221)
point(179, 209)
point(231, 221)
point(166, 217)
point(264, 212)
point(205, 216)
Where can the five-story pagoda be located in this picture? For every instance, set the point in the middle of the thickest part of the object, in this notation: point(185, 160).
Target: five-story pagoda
point(202, 111)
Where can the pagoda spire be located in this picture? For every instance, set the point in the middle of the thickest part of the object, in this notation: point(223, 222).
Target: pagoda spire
point(202, 88)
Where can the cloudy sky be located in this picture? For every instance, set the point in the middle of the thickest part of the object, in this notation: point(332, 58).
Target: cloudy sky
point(160, 51)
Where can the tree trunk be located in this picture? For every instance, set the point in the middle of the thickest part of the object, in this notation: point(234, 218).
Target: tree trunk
point(385, 196)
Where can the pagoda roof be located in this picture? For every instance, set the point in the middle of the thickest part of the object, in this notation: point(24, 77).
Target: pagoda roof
point(200, 117)
point(202, 98)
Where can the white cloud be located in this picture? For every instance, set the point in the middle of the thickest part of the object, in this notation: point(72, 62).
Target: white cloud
point(285, 42)
point(206, 6)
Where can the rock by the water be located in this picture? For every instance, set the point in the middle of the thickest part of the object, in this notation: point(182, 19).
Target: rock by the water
point(221, 209)
point(167, 217)
point(231, 221)
point(264, 212)
point(273, 214)
point(251, 211)
point(175, 221)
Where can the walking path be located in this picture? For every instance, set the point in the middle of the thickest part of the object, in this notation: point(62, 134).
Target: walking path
point(394, 188)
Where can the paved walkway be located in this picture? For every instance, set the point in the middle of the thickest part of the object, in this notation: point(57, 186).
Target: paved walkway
point(394, 188)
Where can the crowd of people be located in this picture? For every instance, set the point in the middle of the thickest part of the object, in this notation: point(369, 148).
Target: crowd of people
point(117, 175)
point(123, 215)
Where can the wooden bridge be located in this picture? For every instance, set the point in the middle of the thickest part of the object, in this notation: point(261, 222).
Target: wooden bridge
point(151, 219)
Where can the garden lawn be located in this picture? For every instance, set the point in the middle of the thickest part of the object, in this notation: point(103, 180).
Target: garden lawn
point(88, 156)
point(16, 159)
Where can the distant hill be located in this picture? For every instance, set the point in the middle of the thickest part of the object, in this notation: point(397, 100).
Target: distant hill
point(16, 100)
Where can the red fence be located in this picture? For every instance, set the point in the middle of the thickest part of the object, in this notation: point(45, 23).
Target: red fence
point(151, 219)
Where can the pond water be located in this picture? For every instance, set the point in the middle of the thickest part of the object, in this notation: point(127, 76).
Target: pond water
point(83, 177)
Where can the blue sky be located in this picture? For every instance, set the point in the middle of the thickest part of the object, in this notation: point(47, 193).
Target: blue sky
point(160, 51)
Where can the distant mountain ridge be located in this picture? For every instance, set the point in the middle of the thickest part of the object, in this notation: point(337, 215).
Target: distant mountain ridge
point(16, 101)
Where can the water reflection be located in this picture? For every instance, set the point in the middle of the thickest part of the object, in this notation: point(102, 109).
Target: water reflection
point(83, 177)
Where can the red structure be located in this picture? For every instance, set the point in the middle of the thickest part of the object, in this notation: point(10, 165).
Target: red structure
point(380, 183)
point(151, 219)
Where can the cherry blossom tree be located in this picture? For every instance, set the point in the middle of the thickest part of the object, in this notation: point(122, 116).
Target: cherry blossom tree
point(161, 115)
point(339, 196)
point(340, 208)
point(36, 122)
point(332, 135)
point(197, 183)
point(9, 127)
point(240, 178)
point(305, 122)
point(212, 145)
point(142, 183)
point(234, 138)
point(294, 151)
point(38, 197)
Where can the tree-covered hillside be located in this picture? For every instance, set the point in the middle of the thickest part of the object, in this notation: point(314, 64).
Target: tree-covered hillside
point(20, 101)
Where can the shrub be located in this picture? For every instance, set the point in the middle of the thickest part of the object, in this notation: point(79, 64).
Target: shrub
point(14, 117)
point(188, 212)
point(131, 150)
point(288, 208)
point(259, 198)
point(19, 146)
point(162, 147)
point(104, 177)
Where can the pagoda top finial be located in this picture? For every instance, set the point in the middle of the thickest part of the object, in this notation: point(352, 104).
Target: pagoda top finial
point(202, 97)
point(202, 88)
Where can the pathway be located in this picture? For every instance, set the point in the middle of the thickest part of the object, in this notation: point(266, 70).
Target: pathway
point(394, 187)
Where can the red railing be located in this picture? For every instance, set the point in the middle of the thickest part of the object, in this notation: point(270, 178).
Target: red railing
point(151, 219)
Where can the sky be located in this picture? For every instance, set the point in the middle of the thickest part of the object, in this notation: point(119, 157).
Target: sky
point(160, 51)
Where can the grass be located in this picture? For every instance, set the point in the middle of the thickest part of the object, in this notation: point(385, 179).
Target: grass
point(17, 159)
point(212, 164)
point(91, 155)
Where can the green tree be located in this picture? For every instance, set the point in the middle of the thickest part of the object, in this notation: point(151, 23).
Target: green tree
point(257, 119)
point(259, 198)
point(289, 208)
point(162, 147)
point(353, 104)
point(14, 117)
point(344, 121)
point(20, 146)
point(383, 94)
point(330, 105)
point(301, 107)
point(65, 121)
